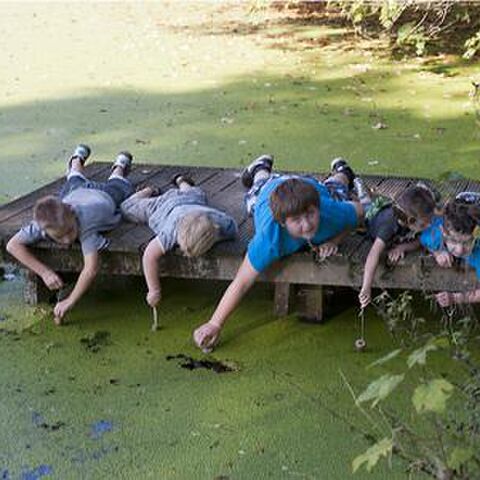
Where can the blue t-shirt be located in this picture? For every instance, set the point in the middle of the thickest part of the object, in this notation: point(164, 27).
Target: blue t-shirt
point(432, 240)
point(272, 241)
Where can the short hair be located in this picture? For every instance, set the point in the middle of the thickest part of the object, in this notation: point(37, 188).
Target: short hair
point(196, 234)
point(293, 197)
point(461, 217)
point(417, 201)
point(51, 212)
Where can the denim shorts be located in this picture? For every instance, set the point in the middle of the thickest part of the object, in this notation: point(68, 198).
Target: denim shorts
point(118, 188)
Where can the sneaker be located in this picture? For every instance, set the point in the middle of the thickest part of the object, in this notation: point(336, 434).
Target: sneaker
point(340, 165)
point(82, 152)
point(436, 195)
point(179, 178)
point(124, 160)
point(470, 198)
point(361, 191)
point(264, 162)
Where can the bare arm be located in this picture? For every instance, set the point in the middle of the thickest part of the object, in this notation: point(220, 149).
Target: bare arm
point(207, 334)
point(85, 279)
point(25, 256)
point(399, 251)
point(150, 258)
point(446, 299)
point(370, 268)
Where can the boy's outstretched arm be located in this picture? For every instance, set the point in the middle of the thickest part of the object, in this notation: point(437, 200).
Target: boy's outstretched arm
point(85, 279)
point(21, 252)
point(207, 334)
point(371, 265)
point(150, 258)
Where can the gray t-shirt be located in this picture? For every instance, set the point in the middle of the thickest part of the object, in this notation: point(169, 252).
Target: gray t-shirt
point(95, 211)
point(163, 213)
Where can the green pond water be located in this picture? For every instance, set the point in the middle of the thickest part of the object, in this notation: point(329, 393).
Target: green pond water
point(190, 83)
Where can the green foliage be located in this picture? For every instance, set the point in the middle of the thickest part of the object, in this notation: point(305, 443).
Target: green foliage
point(472, 46)
point(380, 389)
point(440, 436)
point(432, 396)
point(416, 26)
point(383, 448)
point(386, 358)
point(419, 356)
point(459, 456)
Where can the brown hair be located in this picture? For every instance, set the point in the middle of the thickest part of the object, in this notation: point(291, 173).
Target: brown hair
point(461, 217)
point(293, 197)
point(51, 212)
point(196, 234)
point(415, 202)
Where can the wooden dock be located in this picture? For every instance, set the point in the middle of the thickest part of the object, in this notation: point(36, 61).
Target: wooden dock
point(417, 271)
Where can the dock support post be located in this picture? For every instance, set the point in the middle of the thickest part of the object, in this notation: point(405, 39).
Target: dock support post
point(282, 299)
point(35, 290)
point(310, 303)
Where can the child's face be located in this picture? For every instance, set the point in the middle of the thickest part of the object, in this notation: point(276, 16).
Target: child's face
point(418, 224)
point(304, 225)
point(65, 235)
point(458, 244)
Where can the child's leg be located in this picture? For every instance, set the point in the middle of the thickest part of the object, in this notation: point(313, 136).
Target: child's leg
point(117, 185)
point(76, 170)
point(254, 177)
point(135, 208)
point(340, 183)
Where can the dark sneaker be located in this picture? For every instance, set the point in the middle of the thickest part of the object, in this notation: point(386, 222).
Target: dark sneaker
point(179, 178)
point(436, 195)
point(340, 165)
point(82, 152)
point(124, 160)
point(264, 162)
point(470, 198)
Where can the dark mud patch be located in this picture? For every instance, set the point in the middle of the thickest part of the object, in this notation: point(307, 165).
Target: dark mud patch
point(94, 342)
point(190, 363)
point(40, 422)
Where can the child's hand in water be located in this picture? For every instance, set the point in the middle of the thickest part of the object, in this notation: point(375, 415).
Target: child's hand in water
point(365, 297)
point(61, 308)
point(396, 254)
point(154, 297)
point(206, 335)
point(443, 259)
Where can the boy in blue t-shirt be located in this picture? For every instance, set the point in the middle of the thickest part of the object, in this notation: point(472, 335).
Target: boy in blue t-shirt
point(290, 212)
point(453, 236)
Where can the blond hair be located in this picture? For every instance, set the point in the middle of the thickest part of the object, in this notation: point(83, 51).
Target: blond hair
point(196, 234)
point(50, 212)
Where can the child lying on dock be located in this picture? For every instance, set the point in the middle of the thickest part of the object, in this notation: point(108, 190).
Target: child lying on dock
point(81, 212)
point(181, 216)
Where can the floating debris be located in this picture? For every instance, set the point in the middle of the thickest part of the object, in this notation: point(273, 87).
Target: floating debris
point(95, 341)
point(191, 364)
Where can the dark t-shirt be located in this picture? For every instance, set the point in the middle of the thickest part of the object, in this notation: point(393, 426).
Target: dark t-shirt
point(385, 225)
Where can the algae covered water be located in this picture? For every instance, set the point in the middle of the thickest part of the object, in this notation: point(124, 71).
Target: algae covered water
point(194, 83)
